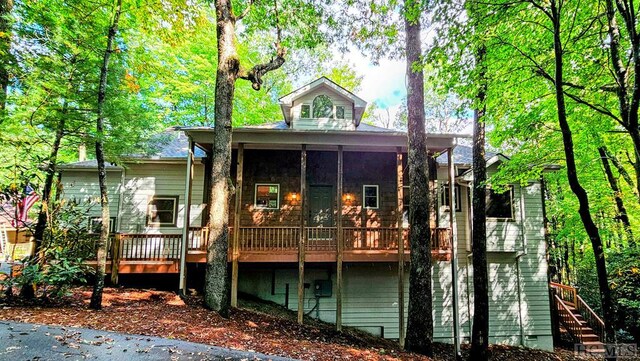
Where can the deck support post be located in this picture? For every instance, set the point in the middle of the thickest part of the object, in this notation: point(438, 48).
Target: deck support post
point(454, 249)
point(303, 233)
point(186, 222)
point(115, 258)
point(339, 243)
point(235, 255)
point(399, 220)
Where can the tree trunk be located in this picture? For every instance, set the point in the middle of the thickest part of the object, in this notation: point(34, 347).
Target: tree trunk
point(419, 337)
point(625, 175)
point(628, 94)
point(480, 330)
point(38, 233)
point(216, 290)
point(574, 183)
point(101, 257)
point(6, 6)
point(216, 280)
point(622, 217)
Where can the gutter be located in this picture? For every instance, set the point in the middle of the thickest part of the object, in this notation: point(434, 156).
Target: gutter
point(517, 260)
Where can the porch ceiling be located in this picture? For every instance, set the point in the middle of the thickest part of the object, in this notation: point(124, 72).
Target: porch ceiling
point(320, 140)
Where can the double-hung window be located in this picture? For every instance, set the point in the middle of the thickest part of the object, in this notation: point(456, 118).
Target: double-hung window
point(370, 196)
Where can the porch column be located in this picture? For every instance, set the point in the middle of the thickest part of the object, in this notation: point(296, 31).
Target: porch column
point(303, 233)
point(236, 227)
point(399, 192)
point(185, 225)
point(454, 249)
point(340, 243)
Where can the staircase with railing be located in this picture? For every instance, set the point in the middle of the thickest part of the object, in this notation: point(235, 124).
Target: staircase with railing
point(575, 315)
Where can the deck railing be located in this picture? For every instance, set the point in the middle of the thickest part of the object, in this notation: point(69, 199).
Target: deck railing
point(257, 239)
point(566, 293)
point(268, 239)
point(569, 296)
point(568, 319)
point(593, 320)
point(150, 246)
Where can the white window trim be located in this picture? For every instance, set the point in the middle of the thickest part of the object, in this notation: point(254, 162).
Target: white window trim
point(457, 195)
point(310, 111)
point(112, 222)
point(333, 105)
point(364, 186)
point(255, 195)
point(513, 211)
point(175, 199)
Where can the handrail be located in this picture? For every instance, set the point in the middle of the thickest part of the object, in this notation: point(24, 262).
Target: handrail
point(567, 293)
point(568, 319)
point(592, 318)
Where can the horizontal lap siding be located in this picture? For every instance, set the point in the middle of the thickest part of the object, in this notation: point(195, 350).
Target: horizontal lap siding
point(533, 270)
point(337, 100)
point(143, 181)
point(83, 187)
point(370, 294)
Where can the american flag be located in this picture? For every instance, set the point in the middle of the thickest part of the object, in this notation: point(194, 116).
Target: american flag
point(23, 206)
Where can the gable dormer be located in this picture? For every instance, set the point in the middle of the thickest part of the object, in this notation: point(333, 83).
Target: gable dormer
point(322, 104)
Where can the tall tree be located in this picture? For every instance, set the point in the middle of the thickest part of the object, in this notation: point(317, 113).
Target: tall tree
point(5, 47)
point(480, 331)
point(229, 70)
point(96, 296)
point(622, 216)
point(553, 12)
point(419, 336)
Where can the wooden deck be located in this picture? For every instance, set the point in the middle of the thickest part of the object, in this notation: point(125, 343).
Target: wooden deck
point(160, 253)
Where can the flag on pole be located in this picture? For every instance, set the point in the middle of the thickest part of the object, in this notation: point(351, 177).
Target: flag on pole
point(23, 206)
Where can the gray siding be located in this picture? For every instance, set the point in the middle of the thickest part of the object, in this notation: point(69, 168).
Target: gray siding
point(82, 187)
point(143, 181)
point(324, 123)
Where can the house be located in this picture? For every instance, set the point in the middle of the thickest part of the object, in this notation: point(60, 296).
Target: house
point(319, 221)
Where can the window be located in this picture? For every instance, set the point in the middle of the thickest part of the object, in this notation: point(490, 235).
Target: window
point(322, 107)
point(339, 112)
point(445, 197)
point(162, 211)
point(95, 224)
point(500, 205)
point(370, 196)
point(305, 111)
point(267, 196)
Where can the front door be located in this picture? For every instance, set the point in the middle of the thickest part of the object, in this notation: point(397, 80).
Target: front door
point(320, 211)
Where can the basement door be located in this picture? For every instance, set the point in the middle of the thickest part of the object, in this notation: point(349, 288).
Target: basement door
point(320, 212)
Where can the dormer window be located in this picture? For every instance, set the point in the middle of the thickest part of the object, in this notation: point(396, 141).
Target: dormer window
point(305, 112)
point(322, 107)
point(339, 112)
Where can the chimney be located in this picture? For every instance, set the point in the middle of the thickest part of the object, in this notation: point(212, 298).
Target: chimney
point(82, 152)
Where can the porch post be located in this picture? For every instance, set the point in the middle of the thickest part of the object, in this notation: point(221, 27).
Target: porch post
point(340, 243)
point(399, 194)
point(185, 225)
point(236, 227)
point(303, 233)
point(454, 249)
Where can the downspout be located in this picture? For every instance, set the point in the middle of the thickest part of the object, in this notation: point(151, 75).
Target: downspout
point(454, 252)
point(120, 201)
point(182, 282)
point(518, 257)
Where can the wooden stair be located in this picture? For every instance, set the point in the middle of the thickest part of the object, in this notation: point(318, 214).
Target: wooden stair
point(588, 336)
point(579, 320)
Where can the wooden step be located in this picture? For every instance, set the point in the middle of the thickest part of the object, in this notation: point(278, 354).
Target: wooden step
point(590, 337)
point(594, 346)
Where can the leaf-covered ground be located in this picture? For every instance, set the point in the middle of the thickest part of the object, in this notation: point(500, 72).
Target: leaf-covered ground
point(255, 326)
